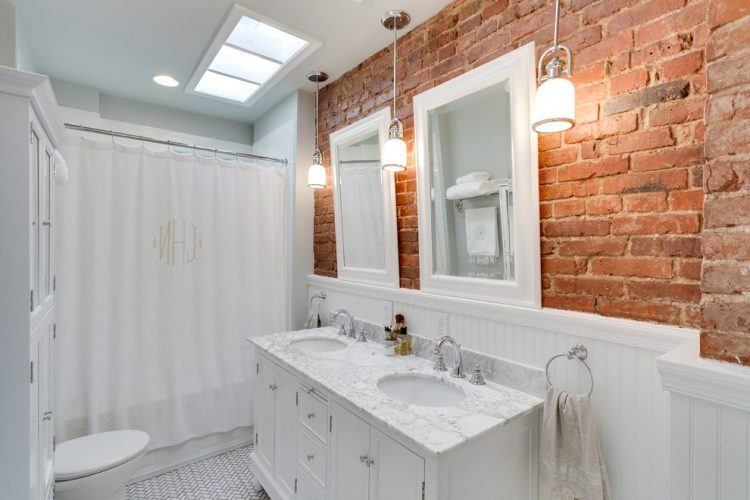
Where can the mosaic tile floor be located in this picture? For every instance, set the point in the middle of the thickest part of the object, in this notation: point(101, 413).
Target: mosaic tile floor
point(224, 477)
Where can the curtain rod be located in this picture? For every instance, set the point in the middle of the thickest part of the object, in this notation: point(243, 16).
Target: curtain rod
point(124, 135)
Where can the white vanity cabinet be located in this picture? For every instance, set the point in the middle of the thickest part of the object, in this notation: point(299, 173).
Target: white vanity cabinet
point(367, 464)
point(30, 131)
point(312, 444)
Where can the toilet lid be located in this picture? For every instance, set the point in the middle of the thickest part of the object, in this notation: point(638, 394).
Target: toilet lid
point(88, 455)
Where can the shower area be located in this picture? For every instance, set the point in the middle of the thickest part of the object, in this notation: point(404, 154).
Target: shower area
point(168, 257)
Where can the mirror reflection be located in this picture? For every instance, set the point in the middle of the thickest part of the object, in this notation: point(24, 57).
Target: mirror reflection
point(361, 196)
point(471, 166)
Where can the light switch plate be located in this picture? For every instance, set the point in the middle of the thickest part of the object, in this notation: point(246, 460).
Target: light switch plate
point(439, 324)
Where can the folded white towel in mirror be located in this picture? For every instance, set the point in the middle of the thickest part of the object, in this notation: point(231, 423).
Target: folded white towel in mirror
point(481, 235)
point(470, 190)
point(473, 177)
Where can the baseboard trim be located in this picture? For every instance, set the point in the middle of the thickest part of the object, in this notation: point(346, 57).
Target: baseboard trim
point(180, 459)
point(652, 336)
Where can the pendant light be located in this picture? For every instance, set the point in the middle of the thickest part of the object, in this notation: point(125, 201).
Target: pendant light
point(316, 173)
point(394, 151)
point(555, 105)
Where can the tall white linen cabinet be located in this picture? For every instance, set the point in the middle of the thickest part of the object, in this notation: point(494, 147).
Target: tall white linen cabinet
point(30, 132)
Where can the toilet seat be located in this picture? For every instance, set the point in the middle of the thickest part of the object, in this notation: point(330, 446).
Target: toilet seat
point(97, 453)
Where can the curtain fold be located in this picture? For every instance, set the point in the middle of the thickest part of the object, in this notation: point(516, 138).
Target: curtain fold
point(165, 263)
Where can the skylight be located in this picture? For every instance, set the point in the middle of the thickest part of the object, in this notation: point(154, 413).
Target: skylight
point(249, 52)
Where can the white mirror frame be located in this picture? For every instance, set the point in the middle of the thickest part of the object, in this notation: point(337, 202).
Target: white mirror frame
point(519, 68)
point(389, 276)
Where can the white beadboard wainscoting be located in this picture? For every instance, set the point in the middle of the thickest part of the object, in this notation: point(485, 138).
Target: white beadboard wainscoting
point(709, 426)
point(631, 406)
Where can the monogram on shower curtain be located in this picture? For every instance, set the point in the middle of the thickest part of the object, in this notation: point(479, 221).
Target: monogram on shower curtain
point(165, 263)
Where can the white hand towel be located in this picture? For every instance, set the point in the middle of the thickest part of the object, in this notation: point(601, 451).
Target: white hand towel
point(481, 235)
point(572, 463)
point(470, 190)
point(61, 168)
point(313, 320)
point(473, 177)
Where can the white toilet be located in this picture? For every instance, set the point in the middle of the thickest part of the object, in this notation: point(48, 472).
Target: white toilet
point(99, 466)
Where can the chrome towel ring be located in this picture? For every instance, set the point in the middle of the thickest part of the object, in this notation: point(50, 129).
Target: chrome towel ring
point(576, 351)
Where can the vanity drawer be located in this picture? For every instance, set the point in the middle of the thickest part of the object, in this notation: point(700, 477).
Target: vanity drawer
point(312, 456)
point(313, 412)
point(308, 489)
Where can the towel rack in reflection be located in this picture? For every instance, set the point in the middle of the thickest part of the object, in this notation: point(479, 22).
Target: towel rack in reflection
point(319, 296)
point(576, 351)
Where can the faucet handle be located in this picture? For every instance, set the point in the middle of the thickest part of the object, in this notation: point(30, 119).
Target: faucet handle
point(342, 330)
point(440, 363)
point(362, 337)
point(477, 378)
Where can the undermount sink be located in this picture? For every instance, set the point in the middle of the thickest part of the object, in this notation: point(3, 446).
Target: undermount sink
point(421, 390)
point(318, 344)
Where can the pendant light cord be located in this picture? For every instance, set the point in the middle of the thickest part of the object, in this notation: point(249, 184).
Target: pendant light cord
point(557, 22)
point(395, 41)
point(317, 93)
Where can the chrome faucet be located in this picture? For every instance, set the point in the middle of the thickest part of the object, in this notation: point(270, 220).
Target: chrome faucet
point(349, 332)
point(457, 371)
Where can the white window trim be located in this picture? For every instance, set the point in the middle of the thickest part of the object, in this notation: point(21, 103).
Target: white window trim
point(230, 22)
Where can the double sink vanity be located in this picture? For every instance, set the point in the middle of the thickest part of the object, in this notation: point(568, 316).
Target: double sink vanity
point(341, 419)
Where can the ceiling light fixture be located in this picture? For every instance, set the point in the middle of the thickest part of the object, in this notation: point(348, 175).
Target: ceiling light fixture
point(166, 81)
point(555, 106)
point(316, 173)
point(394, 151)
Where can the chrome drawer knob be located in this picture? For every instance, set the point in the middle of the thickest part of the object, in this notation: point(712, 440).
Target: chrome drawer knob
point(310, 457)
point(310, 415)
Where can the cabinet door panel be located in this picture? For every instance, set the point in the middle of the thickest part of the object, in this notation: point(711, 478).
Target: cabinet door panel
point(350, 440)
point(286, 430)
point(396, 473)
point(264, 408)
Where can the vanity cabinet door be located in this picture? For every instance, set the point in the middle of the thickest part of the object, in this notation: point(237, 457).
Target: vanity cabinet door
point(264, 412)
point(350, 444)
point(286, 430)
point(395, 472)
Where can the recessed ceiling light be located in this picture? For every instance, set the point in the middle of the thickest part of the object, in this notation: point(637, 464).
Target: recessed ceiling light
point(166, 81)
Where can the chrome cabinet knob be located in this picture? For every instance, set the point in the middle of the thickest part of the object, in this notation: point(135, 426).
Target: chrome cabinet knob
point(47, 415)
point(310, 457)
point(310, 415)
point(273, 387)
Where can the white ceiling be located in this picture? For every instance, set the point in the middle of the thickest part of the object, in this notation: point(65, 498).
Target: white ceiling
point(118, 45)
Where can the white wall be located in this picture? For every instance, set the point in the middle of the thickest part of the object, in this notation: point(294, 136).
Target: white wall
point(631, 406)
point(14, 51)
point(287, 131)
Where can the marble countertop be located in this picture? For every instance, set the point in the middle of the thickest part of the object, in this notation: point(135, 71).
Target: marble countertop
point(352, 373)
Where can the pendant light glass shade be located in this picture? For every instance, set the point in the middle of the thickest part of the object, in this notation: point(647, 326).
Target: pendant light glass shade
point(316, 176)
point(555, 107)
point(555, 104)
point(394, 155)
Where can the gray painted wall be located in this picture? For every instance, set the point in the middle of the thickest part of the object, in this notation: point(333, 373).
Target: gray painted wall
point(77, 96)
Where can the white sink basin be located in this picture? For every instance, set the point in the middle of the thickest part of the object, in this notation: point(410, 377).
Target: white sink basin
point(318, 344)
point(421, 390)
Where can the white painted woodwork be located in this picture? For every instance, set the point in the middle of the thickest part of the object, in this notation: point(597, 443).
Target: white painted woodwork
point(709, 432)
point(30, 130)
point(350, 440)
point(265, 413)
point(387, 276)
point(631, 407)
point(518, 69)
point(396, 473)
point(285, 425)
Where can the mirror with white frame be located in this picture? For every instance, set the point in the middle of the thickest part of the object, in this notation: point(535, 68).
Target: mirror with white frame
point(364, 203)
point(478, 192)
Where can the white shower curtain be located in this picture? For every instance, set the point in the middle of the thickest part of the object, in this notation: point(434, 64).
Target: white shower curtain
point(166, 262)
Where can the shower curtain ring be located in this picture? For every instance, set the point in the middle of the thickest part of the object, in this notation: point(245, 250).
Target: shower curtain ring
point(80, 127)
point(112, 136)
point(216, 152)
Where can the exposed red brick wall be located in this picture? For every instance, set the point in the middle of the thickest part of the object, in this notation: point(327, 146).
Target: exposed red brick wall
point(726, 236)
point(621, 193)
